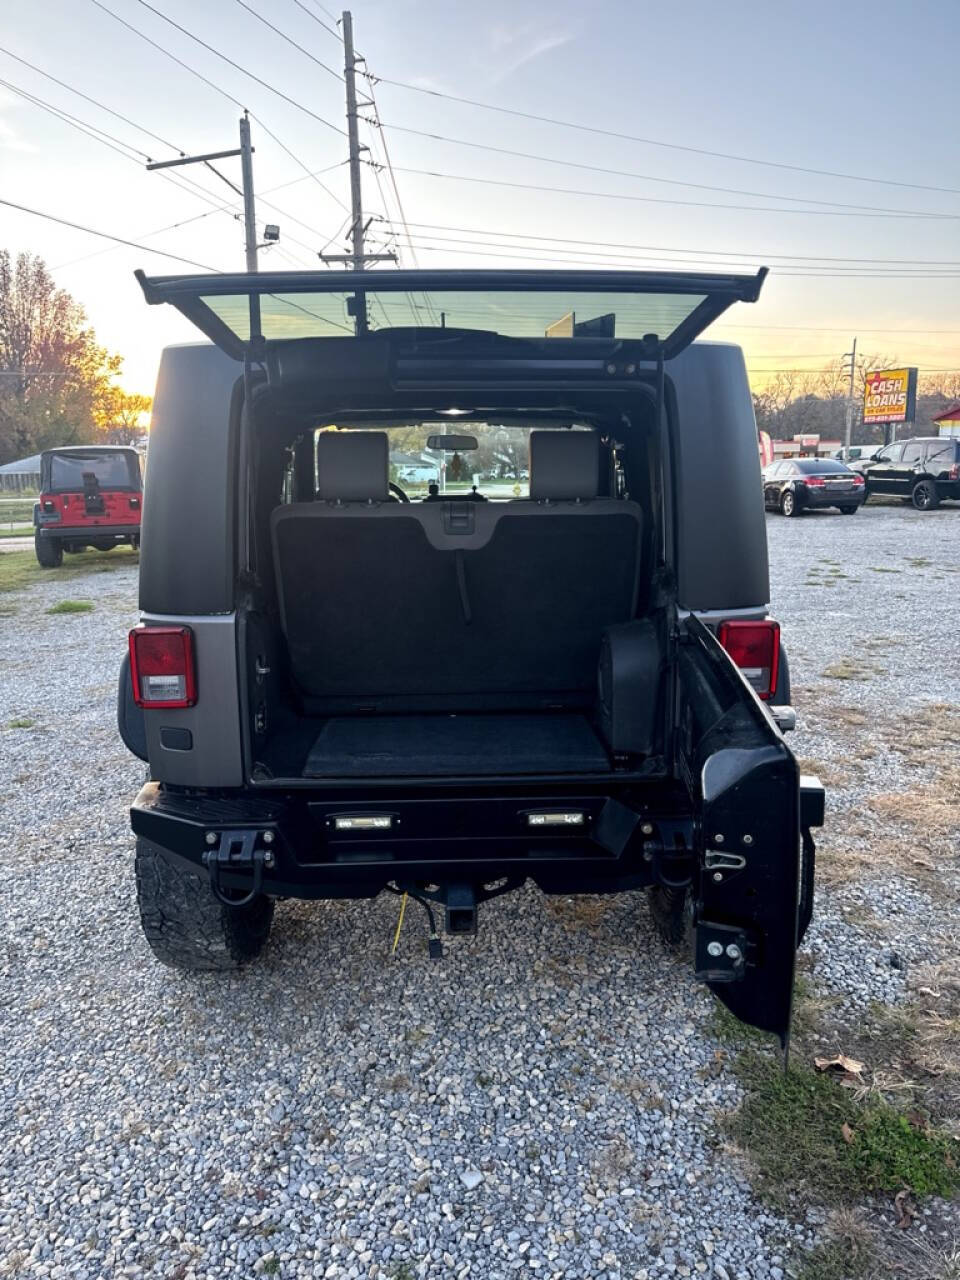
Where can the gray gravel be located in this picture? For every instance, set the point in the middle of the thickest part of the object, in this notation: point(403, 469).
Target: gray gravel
point(543, 1101)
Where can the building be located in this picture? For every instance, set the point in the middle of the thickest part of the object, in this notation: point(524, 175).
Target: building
point(948, 423)
point(22, 474)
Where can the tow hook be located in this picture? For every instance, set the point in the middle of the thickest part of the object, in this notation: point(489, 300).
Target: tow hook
point(236, 851)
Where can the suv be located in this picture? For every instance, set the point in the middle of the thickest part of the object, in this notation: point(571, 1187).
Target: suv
point(924, 470)
point(90, 496)
point(343, 687)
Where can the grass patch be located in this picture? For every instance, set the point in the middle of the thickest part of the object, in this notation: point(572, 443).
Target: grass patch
point(21, 722)
point(25, 531)
point(849, 669)
point(19, 569)
point(845, 1257)
point(883, 568)
point(792, 1126)
point(72, 606)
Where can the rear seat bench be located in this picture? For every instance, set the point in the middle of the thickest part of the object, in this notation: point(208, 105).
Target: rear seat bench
point(453, 606)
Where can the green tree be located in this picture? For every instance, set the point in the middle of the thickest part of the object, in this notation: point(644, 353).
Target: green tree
point(55, 381)
point(121, 417)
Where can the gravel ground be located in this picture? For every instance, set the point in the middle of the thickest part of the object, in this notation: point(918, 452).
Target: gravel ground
point(542, 1101)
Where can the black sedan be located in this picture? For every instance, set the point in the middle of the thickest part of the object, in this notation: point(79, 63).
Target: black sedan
point(795, 485)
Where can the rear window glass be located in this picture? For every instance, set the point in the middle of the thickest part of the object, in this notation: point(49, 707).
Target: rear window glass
point(498, 468)
point(947, 451)
point(112, 470)
point(819, 466)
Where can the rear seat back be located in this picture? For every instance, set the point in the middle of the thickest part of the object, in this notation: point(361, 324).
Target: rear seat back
point(453, 605)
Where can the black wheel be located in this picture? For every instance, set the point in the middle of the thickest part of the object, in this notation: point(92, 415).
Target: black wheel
point(849, 511)
point(186, 926)
point(924, 495)
point(103, 545)
point(49, 552)
point(788, 504)
point(670, 910)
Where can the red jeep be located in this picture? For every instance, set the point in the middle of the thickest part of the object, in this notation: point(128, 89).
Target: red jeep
point(90, 496)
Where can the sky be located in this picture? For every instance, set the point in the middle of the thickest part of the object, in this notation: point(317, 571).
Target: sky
point(862, 87)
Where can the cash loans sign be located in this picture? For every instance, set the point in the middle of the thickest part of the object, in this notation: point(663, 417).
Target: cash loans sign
point(890, 395)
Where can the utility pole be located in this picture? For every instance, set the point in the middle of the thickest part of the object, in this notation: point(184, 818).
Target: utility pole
point(852, 357)
point(249, 210)
point(245, 152)
point(358, 259)
point(356, 195)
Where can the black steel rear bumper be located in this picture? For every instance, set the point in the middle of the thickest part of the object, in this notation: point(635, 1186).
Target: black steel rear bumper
point(87, 532)
point(433, 838)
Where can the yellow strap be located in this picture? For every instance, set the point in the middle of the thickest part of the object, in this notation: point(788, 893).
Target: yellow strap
point(396, 936)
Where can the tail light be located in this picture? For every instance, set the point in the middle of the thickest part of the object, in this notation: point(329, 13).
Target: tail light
point(162, 667)
point(813, 482)
point(856, 478)
point(955, 471)
point(755, 648)
point(134, 502)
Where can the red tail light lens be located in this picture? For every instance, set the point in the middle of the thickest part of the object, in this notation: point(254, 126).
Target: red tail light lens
point(813, 482)
point(162, 667)
point(856, 479)
point(755, 648)
point(955, 471)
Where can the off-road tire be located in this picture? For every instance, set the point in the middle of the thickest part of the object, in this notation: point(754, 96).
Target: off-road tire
point(186, 926)
point(924, 495)
point(849, 511)
point(49, 552)
point(668, 910)
point(102, 545)
point(788, 505)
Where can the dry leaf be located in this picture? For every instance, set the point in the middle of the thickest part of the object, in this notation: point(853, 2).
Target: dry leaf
point(905, 1209)
point(847, 1133)
point(922, 862)
point(840, 1063)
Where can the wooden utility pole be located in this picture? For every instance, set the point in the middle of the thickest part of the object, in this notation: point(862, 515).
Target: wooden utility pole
point(358, 259)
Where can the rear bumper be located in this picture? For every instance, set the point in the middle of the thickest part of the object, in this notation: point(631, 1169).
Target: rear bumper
point(812, 499)
point(86, 532)
point(434, 838)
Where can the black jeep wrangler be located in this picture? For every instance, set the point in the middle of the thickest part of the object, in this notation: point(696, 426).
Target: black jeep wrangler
point(543, 656)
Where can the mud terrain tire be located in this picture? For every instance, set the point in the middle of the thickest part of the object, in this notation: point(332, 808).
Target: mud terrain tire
point(186, 926)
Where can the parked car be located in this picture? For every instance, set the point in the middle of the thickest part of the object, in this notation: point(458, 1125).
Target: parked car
point(341, 691)
point(857, 452)
point(90, 496)
point(924, 471)
point(804, 484)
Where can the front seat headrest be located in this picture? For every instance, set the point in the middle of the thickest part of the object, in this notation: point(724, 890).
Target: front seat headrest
point(564, 465)
point(353, 466)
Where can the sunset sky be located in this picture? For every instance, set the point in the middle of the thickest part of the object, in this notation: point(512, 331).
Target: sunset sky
point(856, 88)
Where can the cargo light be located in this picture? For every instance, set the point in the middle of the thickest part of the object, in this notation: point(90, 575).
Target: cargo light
point(162, 667)
point(573, 818)
point(363, 822)
point(755, 648)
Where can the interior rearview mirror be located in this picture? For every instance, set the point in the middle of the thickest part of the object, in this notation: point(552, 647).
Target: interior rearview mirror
point(452, 444)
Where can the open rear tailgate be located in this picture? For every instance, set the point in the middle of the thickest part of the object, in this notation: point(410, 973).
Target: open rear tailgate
point(753, 887)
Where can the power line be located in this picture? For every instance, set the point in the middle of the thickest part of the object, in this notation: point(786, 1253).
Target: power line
point(289, 40)
point(319, 21)
point(664, 254)
point(655, 142)
point(80, 94)
point(761, 256)
point(103, 235)
point(693, 204)
point(851, 273)
point(645, 177)
point(107, 139)
point(237, 67)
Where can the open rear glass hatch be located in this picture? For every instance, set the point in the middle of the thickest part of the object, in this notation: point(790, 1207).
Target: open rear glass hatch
point(665, 311)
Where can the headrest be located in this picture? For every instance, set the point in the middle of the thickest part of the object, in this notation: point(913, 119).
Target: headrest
point(564, 465)
point(353, 466)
